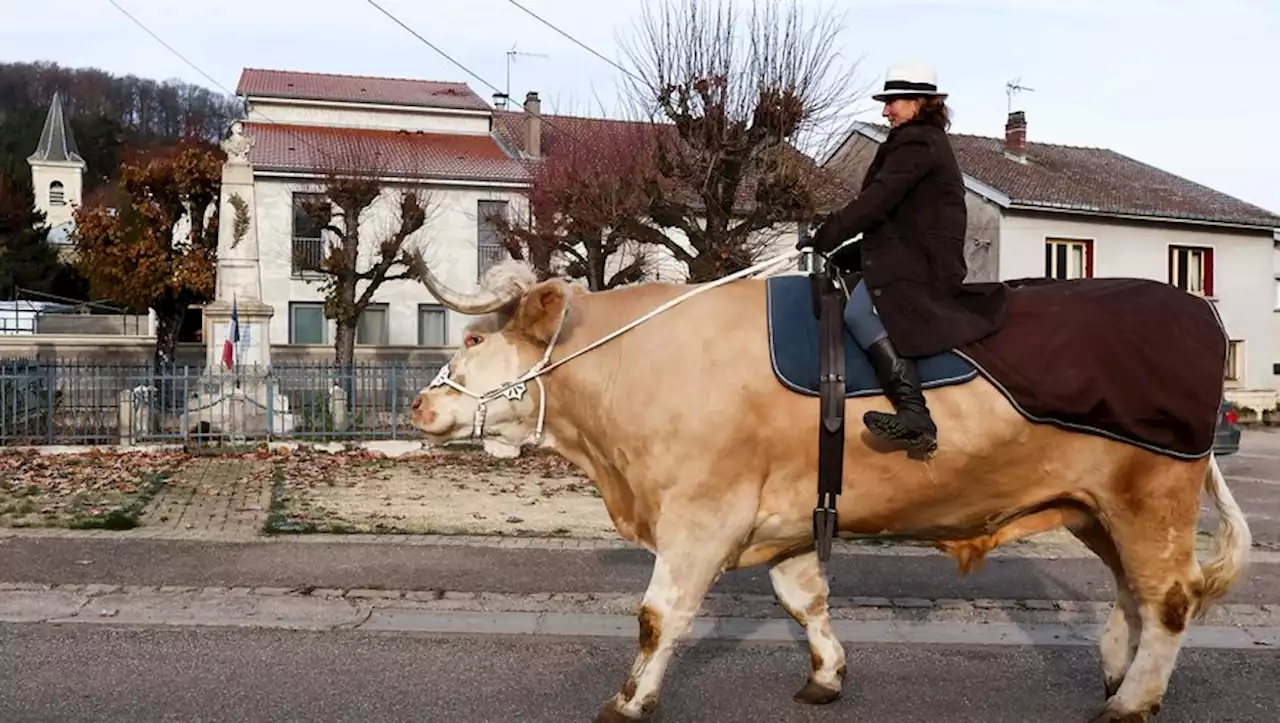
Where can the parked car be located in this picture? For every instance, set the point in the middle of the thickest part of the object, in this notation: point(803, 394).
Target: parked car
point(1227, 439)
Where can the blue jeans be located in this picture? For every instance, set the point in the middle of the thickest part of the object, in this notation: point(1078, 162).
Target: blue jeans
point(861, 317)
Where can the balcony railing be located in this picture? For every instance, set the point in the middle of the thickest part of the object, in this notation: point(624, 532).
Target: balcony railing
point(490, 254)
point(308, 254)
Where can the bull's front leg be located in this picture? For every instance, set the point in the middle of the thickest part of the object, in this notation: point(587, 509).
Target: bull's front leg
point(677, 587)
point(802, 590)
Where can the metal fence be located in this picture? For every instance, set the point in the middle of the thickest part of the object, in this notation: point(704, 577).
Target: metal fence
point(76, 402)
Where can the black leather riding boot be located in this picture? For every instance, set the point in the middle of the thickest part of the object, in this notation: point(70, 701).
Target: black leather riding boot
point(901, 382)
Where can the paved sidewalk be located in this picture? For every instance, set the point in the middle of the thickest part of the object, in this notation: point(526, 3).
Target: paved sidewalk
point(425, 567)
point(226, 498)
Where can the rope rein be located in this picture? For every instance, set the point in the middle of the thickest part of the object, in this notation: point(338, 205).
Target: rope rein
point(516, 389)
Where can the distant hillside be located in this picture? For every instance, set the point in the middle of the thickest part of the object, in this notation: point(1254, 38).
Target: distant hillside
point(110, 115)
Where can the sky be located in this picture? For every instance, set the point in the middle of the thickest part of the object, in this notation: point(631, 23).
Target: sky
point(1189, 87)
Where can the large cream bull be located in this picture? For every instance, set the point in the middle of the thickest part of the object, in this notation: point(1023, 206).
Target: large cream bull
point(703, 458)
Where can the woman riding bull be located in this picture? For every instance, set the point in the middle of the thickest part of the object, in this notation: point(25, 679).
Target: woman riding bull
point(911, 301)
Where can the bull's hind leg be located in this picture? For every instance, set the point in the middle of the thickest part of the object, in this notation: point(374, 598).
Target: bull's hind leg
point(1153, 527)
point(802, 591)
point(1119, 639)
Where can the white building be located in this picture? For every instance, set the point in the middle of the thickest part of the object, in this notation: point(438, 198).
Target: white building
point(436, 135)
point(1048, 210)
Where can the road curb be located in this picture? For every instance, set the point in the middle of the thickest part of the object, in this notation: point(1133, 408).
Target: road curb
point(1244, 627)
point(409, 610)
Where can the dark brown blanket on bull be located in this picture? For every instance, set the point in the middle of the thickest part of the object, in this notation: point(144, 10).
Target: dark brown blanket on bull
point(1131, 358)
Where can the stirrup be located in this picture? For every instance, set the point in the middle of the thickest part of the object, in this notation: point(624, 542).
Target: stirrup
point(890, 428)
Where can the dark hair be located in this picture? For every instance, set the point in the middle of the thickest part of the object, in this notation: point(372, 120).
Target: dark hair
point(934, 111)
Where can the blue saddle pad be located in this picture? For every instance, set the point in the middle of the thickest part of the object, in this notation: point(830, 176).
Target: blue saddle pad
point(793, 346)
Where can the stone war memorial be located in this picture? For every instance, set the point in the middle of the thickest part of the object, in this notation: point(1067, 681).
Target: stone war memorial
point(237, 396)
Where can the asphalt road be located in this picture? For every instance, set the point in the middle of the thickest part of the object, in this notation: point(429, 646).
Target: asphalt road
point(410, 567)
point(72, 674)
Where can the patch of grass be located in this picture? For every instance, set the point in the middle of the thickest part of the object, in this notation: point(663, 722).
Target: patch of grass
point(279, 521)
point(126, 516)
point(91, 491)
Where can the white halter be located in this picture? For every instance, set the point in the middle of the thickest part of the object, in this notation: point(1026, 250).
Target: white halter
point(511, 391)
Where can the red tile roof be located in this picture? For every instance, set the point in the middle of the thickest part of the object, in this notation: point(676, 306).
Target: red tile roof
point(1096, 180)
point(561, 130)
point(283, 147)
point(358, 89)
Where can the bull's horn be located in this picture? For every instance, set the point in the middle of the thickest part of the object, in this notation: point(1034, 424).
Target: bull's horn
point(481, 302)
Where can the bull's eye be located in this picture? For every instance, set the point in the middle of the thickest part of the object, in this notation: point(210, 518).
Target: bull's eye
point(471, 339)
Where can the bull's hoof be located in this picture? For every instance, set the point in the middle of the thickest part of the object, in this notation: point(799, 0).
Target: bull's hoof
point(610, 714)
point(1112, 687)
point(1111, 715)
point(815, 694)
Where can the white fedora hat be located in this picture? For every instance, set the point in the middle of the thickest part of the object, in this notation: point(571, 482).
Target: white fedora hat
point(909, 79)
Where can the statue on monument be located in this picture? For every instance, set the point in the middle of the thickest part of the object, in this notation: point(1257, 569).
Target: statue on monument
point(237, 144)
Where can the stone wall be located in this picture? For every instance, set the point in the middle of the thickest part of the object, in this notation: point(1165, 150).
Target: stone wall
point(139, 350)
point(93, 324)
point(93, 349)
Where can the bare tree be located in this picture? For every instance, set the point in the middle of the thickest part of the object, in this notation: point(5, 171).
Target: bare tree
point(363, 248)
point(735, 107)
point(585, 206)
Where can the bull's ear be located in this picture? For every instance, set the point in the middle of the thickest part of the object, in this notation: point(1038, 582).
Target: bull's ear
point(542, 309)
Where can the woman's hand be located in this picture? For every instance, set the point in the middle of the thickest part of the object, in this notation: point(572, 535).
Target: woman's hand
point(807, 240)
point(827, 236)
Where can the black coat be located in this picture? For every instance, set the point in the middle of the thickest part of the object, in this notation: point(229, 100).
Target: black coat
point(912, 218)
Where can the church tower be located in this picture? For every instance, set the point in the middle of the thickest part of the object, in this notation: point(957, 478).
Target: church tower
point(57, 170)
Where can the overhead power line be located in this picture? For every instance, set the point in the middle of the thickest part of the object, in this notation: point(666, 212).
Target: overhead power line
point(198, 69)
point(171, 49)
point(458, 63)
point(574, 40)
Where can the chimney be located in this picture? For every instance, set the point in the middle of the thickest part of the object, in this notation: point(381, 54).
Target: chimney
point(533, 125)
point(1015, 135)
point(500, 101)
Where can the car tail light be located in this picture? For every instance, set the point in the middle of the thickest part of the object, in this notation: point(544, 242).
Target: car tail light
point(1232, 417)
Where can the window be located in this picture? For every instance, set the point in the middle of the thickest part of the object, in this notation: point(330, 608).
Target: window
point(57, 195)
point(373, 327)
point(307, 324)
point(433, 329)
point(1068, 258)
point(1191, 269)
point(1235, 361)
point(488, 244)
point(308, 246)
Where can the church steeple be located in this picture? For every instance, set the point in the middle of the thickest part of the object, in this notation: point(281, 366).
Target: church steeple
point(57, 169)
point(57, 143)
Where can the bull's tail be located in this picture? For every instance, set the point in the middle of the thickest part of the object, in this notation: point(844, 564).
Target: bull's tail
point(1230, 546)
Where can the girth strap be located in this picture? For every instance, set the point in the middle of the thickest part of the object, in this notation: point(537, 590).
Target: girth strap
point(831, 393)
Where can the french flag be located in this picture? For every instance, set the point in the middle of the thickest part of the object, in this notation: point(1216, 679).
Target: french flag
point(233, 337)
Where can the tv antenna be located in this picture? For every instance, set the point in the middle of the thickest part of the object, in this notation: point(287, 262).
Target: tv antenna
point(1014, 87)
point(511, 57)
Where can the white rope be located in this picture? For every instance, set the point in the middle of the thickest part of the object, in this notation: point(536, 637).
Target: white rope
point(516, 388)
point(658, 310)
